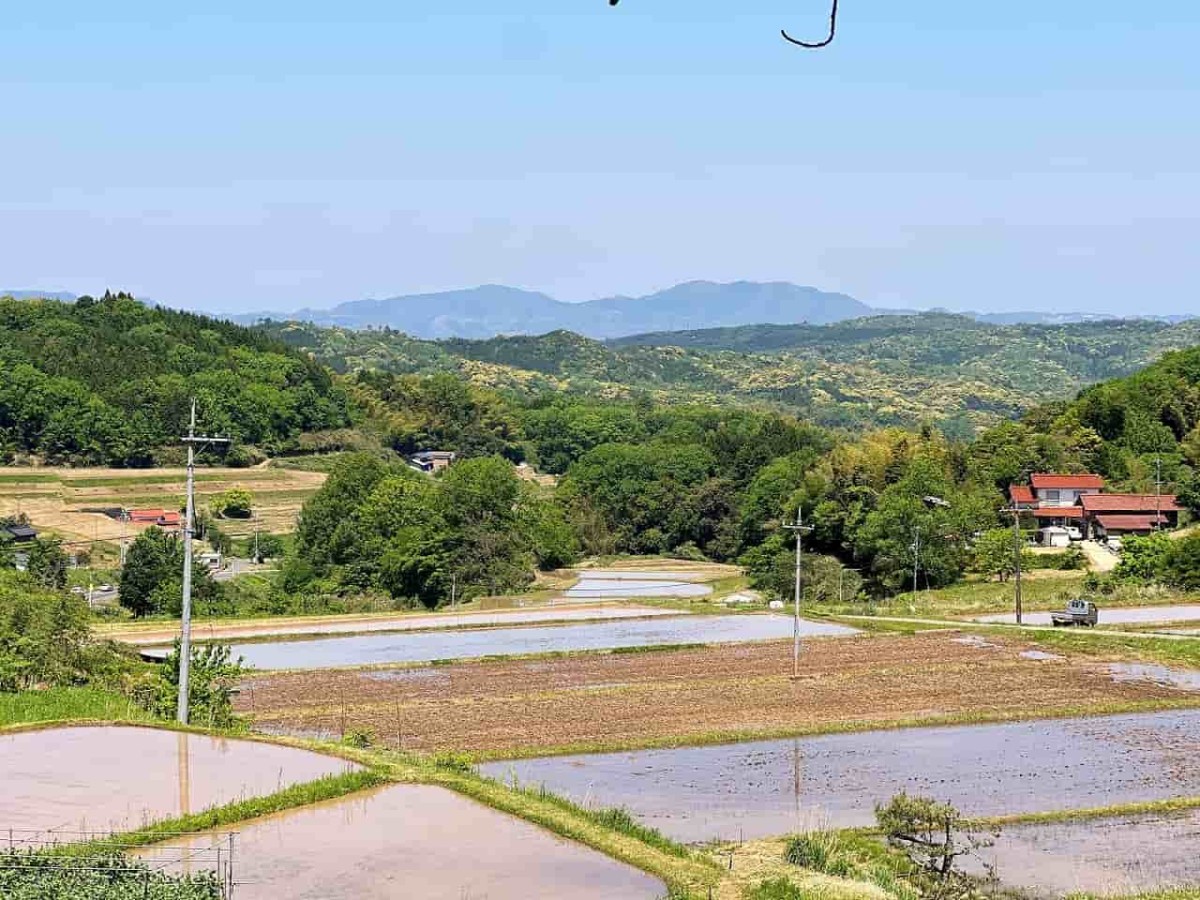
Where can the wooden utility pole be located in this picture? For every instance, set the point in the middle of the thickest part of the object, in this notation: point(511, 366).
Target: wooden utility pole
point(185, 637)
point(801, 529)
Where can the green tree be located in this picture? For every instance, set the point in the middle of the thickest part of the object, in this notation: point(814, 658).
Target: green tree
point(211, 678)
point(1181, 567)
point(266, 546)
point(934, 836)
point(48, 563)
point(235, 503)
point(1145, 559)
point(993, 553)
point(154, 558)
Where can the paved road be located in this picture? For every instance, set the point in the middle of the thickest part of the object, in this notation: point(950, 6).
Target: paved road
point(1134, 615)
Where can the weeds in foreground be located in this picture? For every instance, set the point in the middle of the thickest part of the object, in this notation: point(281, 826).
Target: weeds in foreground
point(37, 875)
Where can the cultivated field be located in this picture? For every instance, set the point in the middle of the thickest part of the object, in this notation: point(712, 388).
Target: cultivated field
point(527, 707)
point(55, 498)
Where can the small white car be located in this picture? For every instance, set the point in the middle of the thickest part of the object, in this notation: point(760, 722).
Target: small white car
point(1074, 533)
point(1114, 544)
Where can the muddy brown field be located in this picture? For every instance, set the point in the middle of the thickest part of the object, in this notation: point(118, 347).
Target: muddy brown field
point(517, 707)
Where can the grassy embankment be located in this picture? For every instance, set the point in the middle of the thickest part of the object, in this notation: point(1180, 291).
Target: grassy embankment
point(974, 596)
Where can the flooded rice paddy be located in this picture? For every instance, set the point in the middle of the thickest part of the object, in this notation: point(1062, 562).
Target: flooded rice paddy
point(1132, 615)
point(417, 841)
point(766, 788)
point(103, 779)
point(1107, 857)
point(604, 584)
point(214, 631)
point(366, 650)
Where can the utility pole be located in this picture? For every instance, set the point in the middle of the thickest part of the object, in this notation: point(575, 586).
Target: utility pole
point(1157, 492)
point(1016, 514)
point(916, 549)
point(185, 638)
point(801, 529)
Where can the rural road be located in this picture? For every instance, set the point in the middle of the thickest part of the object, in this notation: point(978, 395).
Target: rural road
point(1134, 615)
point(1100, 559)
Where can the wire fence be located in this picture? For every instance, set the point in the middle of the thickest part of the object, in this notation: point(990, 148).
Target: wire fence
point(54, 852)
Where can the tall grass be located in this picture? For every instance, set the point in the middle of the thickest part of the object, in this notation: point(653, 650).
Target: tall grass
point(67, 704)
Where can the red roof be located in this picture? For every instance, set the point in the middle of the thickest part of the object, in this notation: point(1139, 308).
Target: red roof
point(1130, 523)
point(1050, 481)
point(1128, 503)
point(1020, 493)
point(145, 515)
point(169, 518)
point(1057, 512)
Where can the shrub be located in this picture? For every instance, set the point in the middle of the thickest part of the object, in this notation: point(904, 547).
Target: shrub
point(821, 851)
point(212, 675)
point(28, 875)
point(235, 503)
point(934, 837)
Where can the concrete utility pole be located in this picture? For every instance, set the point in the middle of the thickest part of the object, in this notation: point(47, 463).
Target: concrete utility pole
point(1016, 514)
point(801, 529)
point(185, 638)
point(916, 549)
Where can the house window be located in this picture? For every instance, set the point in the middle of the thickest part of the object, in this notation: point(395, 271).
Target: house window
point(1053, 495)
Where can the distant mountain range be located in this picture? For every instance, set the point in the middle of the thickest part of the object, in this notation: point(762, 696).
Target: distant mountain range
point(64, 296)
point(491, 310)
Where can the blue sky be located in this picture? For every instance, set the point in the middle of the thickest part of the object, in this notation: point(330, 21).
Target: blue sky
point(272, 155)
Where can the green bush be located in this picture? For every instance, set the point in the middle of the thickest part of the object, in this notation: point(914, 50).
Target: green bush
point(44, 876)
point(45, 641)
point(235, 503)
point(212, 675)
point(821, 851)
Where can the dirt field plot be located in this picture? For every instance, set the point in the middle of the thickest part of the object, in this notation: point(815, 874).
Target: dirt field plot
point(54, 498)
point(645, 699)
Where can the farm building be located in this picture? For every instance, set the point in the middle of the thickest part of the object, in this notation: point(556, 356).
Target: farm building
point(1114, 515)
point(20, 533)
point(432, 460)
point(1059, 501)
point(166, 519)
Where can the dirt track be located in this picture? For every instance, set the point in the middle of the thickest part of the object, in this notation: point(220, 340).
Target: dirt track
point(646, 697)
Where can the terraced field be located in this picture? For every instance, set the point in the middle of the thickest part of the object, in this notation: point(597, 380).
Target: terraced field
point(57, 499)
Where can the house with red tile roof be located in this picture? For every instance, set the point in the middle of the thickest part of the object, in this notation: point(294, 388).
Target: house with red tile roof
point(1053, 498)
point(166, 519)
point(1079, 501)
point(1116, 515)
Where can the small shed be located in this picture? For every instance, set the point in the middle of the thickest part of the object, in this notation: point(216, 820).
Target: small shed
point(432, 460)
point(1054, 536)
point(21, 534)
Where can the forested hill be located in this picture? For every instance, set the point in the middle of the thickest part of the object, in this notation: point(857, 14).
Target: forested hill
point(108, 382)
point(1154, 411)
point(890, 370)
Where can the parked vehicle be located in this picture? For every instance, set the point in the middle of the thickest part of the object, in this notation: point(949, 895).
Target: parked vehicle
point(1078, 612)
point(1074, 533)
